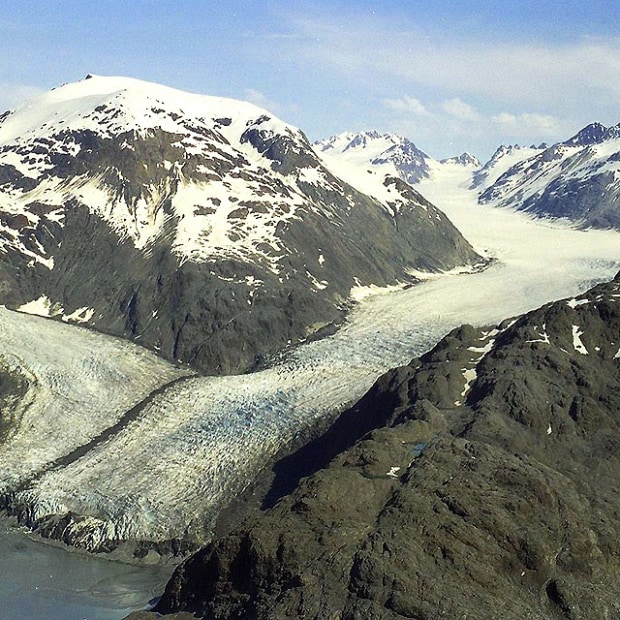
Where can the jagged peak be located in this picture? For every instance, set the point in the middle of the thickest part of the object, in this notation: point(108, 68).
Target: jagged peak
point(348, 140)
point(465, 159)
point(590, 134)
point(504, 149)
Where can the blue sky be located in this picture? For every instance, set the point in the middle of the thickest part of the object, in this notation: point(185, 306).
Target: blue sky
point(451, 75)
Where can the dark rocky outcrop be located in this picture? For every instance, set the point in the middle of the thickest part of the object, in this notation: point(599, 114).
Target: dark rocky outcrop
point(488, 489)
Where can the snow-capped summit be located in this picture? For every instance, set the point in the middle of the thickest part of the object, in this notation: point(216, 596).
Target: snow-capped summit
point(136, 154)
point(350, 140)
point(109, 105)
point(205, 227)
point(395, 155)
point(465, 159)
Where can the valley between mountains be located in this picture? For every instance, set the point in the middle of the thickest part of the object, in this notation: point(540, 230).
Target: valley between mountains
point(215, 290)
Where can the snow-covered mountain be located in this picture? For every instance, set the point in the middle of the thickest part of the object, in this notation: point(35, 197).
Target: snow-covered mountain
point(378, 164)
point(203, 227)
point(578, 179)
point(464, 159)
point(504, 158)
point(392, 154)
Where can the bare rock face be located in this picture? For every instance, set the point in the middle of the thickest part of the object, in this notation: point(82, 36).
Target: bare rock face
point(488, 489)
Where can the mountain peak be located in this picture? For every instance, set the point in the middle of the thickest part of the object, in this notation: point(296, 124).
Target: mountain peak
point(108, 105)
point(398, 155)
point(217, 187)
point(465, 159)
point(591, 134)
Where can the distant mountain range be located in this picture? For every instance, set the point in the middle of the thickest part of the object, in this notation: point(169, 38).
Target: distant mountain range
point(577, 180)
point(392, 154)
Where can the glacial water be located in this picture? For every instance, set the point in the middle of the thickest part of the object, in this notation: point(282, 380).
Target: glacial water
point(42, 582)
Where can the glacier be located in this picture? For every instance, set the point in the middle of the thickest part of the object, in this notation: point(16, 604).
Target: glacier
point(170, 469)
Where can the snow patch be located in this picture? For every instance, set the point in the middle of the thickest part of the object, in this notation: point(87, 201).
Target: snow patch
point(543, 336)
point(41, 307)
point(573, 303)
point(82, 315)
point(487, 348)
point(358, 293)
point(393, 473)
point(577, 343)
point(469, 374)
point(318, 284)
point(313, 176)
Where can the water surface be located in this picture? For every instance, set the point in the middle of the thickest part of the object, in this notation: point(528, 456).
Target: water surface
point(42, 582)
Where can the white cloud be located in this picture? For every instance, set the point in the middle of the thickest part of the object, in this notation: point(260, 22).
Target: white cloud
point(460, 110)
point(453, 122)
point(527, 123)
point(406, 104)
point(503, 118)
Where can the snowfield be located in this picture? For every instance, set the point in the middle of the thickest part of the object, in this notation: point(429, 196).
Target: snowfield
point(168, 470)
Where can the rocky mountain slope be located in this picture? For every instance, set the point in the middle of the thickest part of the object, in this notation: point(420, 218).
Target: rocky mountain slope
point(201, 227)
point(504, 158)
point(488, 487)
point(578, 179)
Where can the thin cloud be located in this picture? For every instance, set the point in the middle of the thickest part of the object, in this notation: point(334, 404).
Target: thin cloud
point(379, 53)
point(460, 110)
point(464, 92)
point(406, 104)
point(258, 98)
point(527, 123)
point(454, 121)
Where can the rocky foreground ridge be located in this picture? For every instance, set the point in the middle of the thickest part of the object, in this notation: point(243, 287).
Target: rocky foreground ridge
point(488, 488)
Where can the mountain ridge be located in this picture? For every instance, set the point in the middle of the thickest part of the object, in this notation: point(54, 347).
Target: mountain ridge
point(486, 476)
point(170, 218)
point(575, 180)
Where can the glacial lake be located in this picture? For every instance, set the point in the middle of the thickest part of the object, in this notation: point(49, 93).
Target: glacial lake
point(39, 581)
